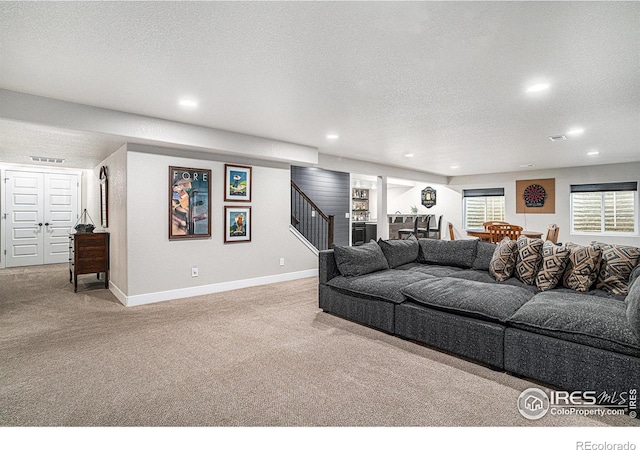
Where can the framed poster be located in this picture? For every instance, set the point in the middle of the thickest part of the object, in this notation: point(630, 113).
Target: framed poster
point(237, 224)
point(536, 196)
point(237, 183)
point(189, 203)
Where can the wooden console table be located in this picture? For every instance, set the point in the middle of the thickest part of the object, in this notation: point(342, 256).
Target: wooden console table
point(88, 253)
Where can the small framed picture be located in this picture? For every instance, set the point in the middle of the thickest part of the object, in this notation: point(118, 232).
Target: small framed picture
point(189, 203)
point(237, 183)
point(237, 224)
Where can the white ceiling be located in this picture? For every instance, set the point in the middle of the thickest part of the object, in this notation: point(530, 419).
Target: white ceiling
point(442, 80)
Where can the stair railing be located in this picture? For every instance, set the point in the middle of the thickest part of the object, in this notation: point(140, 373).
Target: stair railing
point(309, 220)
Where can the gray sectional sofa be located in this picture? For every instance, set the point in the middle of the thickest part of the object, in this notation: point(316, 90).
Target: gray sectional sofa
point(441, 294)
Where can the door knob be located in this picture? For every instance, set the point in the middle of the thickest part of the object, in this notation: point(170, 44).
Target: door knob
point(40, 224)
point(46, 224)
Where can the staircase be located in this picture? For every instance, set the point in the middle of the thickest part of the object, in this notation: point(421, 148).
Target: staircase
point(309, 221)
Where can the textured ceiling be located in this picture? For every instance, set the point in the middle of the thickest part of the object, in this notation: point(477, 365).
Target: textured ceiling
point(444, 81)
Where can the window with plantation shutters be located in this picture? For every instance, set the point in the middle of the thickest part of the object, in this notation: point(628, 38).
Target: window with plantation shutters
point(605, 208)
point(482, 205)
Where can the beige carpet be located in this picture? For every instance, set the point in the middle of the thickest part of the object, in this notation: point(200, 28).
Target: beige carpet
point(264, 356)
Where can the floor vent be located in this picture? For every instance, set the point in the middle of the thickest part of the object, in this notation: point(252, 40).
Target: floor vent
point(561, 137)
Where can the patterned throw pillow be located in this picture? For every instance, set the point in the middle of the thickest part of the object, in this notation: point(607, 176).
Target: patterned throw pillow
point(618, 261)
point(582, 268)
point(528, 259)
point(554, 261)
point(503, 261)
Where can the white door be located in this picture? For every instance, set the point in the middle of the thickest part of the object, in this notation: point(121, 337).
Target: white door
point(60, 215)
point(41, 209)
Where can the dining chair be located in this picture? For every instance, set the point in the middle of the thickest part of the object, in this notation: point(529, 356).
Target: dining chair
point(451, 235)
point(552, 233)
point(500, 231)
point(436, 231)
point(422, 226)
point(493, 222)
point(404, 233)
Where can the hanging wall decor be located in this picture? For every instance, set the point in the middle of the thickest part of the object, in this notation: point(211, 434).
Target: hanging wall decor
point(189, 203)
point(428, 197)
point(237, 224)
point(104, 197)
point(536, 196)
point(237, 183)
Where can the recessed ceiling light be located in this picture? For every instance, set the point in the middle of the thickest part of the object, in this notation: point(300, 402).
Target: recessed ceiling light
point(575, 131)
point(455, 166)
point(187, 103)
point(527, 165)
point(593, 153)
point(408, 155)
point(332, 136)
point(538, 87)
point(560, 137)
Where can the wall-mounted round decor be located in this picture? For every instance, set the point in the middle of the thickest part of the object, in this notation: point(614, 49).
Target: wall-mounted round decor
point(534, 196)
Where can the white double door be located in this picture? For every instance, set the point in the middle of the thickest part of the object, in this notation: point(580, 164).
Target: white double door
point(41, 210)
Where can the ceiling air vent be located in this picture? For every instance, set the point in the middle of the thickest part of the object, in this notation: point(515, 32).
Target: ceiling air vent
point(560, 137)
point(44, 159)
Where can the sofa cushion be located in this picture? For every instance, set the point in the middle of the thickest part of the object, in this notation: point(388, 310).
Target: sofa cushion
point(528, 259)
point(483, 276)
point(503, 261)
point(484, 253)
point(495, 302)
point(381, 285)
point(635, 275)
point(354, 261)
point(554, 262)
point(447, 253)
point(632, 303)
point(618, 261)
point(400, 251)
point(432, 269)
point(582, 268)
point(586, 319)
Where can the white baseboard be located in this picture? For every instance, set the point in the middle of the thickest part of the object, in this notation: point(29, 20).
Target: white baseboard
point(154, 297)
point(118, 293)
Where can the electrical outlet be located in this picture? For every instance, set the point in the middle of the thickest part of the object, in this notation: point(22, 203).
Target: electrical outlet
point(282, 261)
point(347, 215)
point(313, 213)
point(194, 271)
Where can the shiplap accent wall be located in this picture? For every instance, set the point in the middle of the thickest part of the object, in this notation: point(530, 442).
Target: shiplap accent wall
point(331, 191)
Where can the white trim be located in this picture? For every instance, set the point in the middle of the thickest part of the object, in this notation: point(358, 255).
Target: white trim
point(118, 293)
point(154, 297)
point(304, 240)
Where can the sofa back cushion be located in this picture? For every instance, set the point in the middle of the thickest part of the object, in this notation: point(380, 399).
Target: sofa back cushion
point(503, 261)
point(554, 262)
point(528, 259)
point(400, 251)
point(484, 253)
point(354, 261)
point(618, 261)
point(447, 253)
point(582, 268)
point(633, 308)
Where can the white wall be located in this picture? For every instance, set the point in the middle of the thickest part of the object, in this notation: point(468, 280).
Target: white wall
point(117, 224)
point(564, 178)
point(160, 269)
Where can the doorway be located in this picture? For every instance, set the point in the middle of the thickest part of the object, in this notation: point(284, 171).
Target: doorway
point(41, 209)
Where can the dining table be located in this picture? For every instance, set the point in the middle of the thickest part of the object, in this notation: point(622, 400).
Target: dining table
point(486, 236)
